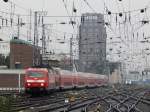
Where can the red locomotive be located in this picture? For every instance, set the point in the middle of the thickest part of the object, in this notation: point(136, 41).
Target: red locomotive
point(42, 79)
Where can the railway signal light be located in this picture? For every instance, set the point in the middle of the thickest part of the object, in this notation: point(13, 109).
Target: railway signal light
point(109, 13)
point(142, 10)
point(120, 14)
point(74, 10)
point(5, 0)
point(145, 21)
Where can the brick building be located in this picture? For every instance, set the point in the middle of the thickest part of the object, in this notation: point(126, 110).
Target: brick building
point(22, 54)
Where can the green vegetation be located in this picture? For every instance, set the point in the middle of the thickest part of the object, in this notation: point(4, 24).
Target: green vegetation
point(5, 103)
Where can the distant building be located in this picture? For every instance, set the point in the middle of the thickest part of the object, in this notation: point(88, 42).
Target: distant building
point(4, 53)
point(115, 77)
point(56, 60)
point(146, 73)
point(133, 76)
point(4, 48)
point(22, 54)
point(92, 42)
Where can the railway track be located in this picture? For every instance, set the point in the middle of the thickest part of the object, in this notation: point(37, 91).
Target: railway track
point(54, 101)
point(8, 93)
point(104, 99)
point(122, 102)
point(59, 104)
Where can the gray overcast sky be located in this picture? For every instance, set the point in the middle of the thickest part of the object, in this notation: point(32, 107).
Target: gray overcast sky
point(56, 8)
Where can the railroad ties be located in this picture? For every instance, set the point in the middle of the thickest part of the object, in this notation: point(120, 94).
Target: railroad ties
point(103, 99)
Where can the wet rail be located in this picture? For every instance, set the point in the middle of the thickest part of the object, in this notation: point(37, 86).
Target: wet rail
point(103, 99)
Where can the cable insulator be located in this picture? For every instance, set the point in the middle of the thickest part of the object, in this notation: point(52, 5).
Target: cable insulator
point(6, 22)
point(120, 14)
point(110, 49)
point(64, 36)
point(142, 11)
point(11, 22)
point(5, 0)
point(145, 22)
point(125, 18)
point(39, 20)
point(74, 10)
point(62, 23)
point(129, 17)
point(42, 19)
point(21, 23)
point(72, 22)
point(116, 19)
point(18, 20)
point(137, 34)
point(2, 21)
point(109, 13)
point(106, 23)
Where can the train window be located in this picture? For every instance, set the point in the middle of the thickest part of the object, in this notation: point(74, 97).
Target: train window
point(50, 71)
point(57, 72)
point(35, 74)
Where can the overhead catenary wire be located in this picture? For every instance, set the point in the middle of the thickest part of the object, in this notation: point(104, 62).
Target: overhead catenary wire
point(146, 7)
point(26, 9)
point(16, 24)
point(65, 5)
point(90, 6)
point(76, 16)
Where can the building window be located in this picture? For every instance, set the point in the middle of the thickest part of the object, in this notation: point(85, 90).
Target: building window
point(96, 30)
point(84, 52)
point(91, 50)
point(83, 30)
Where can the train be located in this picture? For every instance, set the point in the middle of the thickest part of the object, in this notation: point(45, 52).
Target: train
point(44, 80)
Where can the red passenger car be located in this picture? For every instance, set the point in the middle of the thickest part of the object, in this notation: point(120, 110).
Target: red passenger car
point(42, 79)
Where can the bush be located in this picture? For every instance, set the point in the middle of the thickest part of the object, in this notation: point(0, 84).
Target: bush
point(5, 103)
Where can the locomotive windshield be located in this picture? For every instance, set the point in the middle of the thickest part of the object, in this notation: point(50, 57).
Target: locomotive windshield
point(35, 74)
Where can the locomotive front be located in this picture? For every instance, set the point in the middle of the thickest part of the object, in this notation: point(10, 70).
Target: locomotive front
point(36, 79)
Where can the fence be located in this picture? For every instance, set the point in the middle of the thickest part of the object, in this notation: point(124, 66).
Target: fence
point(12, 80)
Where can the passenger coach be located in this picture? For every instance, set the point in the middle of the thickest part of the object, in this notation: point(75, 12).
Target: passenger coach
point(42, 79)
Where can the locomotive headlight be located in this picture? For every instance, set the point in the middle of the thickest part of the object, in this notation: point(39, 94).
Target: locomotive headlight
point(30, 80)
point(29, 84)
point(41, 81)
point(42, 84)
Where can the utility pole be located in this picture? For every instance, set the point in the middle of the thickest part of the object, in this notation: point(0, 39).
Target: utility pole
point(35, 30)
point(30, 27)
point(38, 13)
point(71, 54)
point(43, 40)
point(35, 41)
point(36, 37)
point(18, 33)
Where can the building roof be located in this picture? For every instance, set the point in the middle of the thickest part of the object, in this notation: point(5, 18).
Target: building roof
point(12, 71)
point(19, 41)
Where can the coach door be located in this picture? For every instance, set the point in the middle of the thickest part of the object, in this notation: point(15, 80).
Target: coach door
point(57, 79)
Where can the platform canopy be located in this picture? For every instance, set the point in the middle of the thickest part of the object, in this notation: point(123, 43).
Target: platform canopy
point(12, 71)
